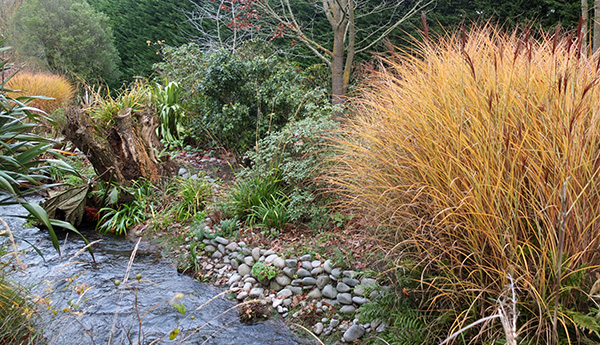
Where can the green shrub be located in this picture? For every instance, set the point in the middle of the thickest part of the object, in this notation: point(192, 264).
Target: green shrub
point(119, 218)
point(16, 315)
point(476, 154)
point(238, 98)
point(262, 270)
point(271, 214)
point(192, 196)
point(249, 193)
point(170, 113)
point(298, 153)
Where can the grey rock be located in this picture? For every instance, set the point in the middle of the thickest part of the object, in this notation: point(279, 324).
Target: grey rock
point(374, 294)
point(334, 323)
point(287, 302)
point(273, 285)
point(302, 273)
point(348, 274)
point(242, 244)
point(347, 309)
point(351, 282)
point(291, 263)
point(316, 271)
point(284, 293)
point(268, 252)
point(315, 264)
point(246, 251)
point(243, 269)
point(279, 262)
point(221, 248)
point(296, 282)
point(217, 255)
point(296, 290)
point(342, 287)
point(232, 247)
point(309, 281)
point(250, 280)
point(382, 326)
point(283, 280)
point(336, 272)
point(329, 292)
point(256, 254)
point(210, 248)
point(344, 298)
point(353, 333)
point(305, 257)
point(247, 287)
point(256, 292)
point(263, 251)
point(182, 171)
point(307, 265)
point(368, 281)
point(234, 264)
point(222, 240)
point(289, 272)
point(276, 303)
point(322, 281)
point(270, 258)
point(314, 294)
point(359, 300)
point(375, 323)
point(242, 295)
point(234, 279)
point(249, 260)
point(328, 266)
point(318, 329)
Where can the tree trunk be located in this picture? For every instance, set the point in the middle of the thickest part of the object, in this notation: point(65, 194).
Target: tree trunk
point(596, 43)
point(126, 152)
point(337, 68)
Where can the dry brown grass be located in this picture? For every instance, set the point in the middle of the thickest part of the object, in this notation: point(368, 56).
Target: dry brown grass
point(459, 150)
point(42, 84)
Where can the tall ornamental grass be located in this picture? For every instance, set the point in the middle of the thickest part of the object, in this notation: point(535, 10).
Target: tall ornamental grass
point(56, 89)
point(460, 151)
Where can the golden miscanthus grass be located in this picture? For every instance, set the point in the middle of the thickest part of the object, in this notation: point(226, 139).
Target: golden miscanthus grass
point(42, 84)
point(459, 150)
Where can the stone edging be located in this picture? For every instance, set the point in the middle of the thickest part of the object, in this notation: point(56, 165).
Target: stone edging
point(331, 288)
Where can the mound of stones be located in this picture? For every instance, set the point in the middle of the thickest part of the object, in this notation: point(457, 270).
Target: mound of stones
point(301, 281)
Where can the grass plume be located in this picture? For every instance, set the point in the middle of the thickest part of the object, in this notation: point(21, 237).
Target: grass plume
point(459, 150)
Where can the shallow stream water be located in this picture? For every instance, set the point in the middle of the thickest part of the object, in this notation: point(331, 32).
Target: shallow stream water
point(85, 306)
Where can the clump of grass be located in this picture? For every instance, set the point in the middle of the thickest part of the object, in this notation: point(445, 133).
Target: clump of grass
point(56, 89)
point(16, 314)
point(460, 149)
point(103, 107)
point(192, 197)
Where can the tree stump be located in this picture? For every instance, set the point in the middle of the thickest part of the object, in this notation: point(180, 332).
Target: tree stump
point(123, 152)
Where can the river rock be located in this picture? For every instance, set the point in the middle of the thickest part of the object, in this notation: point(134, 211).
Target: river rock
point(348, 274)
point(291, 263)
point(314, 294)
point(318, 329)
point(242, 295)
point(217, 255)
point(243, 269)
point(247, 286)
point(249, 260)
point(246, 251)
point(279, 262)
point(289, 272)
point(232, 247)
point(295, 289)
point(342, 287)
point(316, 271)
point(307, 265)
point(302, 273)
point(315, 264)
point(328, 266)
point(283, 280)
point(309, 281)
point(222, 240)
point(322, 281)
point(344, 298)
point(270, 258)
point(329, 291)
point(336, 272)
point(273, 285)
point(359, 300)
point(210, 248)
point(221, 248)
point(382, 326)
point(359, 290)
point(351, 282)
point(256, 254)
point(347, 309)
point(277, 302)
point(234, 279)
point(285, 293)
point(234, 264)
point(353, 333)
point(306, 257)
point(368, 281)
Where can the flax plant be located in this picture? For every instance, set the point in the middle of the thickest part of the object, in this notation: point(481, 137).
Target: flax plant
point(459, 150)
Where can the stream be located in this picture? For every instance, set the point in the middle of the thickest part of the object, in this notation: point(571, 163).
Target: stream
point(85, 307)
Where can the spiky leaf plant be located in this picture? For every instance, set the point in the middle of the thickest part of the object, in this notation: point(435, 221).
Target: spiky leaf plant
point(460, 149)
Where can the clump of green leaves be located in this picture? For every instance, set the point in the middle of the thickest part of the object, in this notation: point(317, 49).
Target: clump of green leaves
point(192, 196)
point(262, 270)
point(170, 113)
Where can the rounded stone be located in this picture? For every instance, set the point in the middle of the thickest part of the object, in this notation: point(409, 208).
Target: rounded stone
point(342, 287)
point(256, 292)
point(344, 298)
point(316, 271)
point(222, 240)
point(318, 329)
point(243, 269)
point(359, 290)
point(314, 294)
point(305, 257)
point(279, 262)
point(309, 281)
point(256, 254)
point(284, 293)
point(322, 281)
point(359, 300)
point(249, 260)
point(307, 265)
point(329, 291)
point(296, 290)
point(268, 252)
point(291, 263)
point(242, 295)
point(315, 264)
point(302, 273)
point(336, 272)
point(232, 247)
point(283, 280)
point(210, 248)
point(273, 285)
point(328, 266)
point(289, 272)
point(271, 258)
point(351, 282)
point(347, 309)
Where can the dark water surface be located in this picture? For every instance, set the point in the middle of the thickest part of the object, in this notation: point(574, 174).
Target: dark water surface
point(107, 314)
